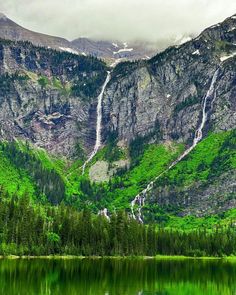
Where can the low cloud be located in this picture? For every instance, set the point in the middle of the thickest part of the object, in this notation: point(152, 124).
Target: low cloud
point(147, 20)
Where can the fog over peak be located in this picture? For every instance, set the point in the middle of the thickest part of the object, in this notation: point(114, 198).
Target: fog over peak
point(126, 20)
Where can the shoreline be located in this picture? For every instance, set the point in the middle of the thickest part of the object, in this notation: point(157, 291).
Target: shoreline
point(74, 257)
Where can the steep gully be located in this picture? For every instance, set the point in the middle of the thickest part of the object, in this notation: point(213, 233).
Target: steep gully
point(98, 124)
point(141, 197)
point(98, 142)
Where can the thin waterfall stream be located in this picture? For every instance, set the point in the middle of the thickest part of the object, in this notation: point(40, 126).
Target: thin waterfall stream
point(98, 124)
point(141, 197)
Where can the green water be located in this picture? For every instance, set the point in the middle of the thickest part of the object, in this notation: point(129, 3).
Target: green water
point(117, 276)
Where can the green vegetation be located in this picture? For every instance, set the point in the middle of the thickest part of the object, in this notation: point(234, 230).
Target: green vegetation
point(224, 46)
point(126, 184)
point(29, 172)
point(190, 101)
point(26, 229)
point(112, 152)
point(54, 82)
point(13, 179)
point(85, 87)
point(33, 180)
point(211, 157)
point(34, 172)
point(83, 76)
point(43, 81)
point(7, 82)
point(190, 222)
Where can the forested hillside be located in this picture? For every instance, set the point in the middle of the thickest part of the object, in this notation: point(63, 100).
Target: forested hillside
point(29, 230)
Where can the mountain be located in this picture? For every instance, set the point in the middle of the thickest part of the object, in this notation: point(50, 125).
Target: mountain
point(12, 31)
point(112, 52)
point(108, 50)
point(163, 129)
point(162, 100)
point(48, 97)
point(115, 49)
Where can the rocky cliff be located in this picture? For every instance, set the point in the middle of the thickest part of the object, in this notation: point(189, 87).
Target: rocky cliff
point(151, 110)
point(168, 90)
point(162, 100)
point(48, 97)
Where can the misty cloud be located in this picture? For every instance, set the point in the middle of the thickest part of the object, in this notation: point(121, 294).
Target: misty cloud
point(150, 20)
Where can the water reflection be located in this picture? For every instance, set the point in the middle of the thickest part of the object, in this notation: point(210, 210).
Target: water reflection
point(116, 277)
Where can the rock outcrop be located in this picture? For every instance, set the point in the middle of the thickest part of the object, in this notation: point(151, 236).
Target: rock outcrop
point(49, 97)
point(167, 91)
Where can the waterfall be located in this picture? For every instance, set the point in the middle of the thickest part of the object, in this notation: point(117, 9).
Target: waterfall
point(141, 197)
point(99, 123)
point(104, 212)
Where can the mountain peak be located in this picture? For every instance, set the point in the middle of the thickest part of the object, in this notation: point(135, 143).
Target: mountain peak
point(3, 16)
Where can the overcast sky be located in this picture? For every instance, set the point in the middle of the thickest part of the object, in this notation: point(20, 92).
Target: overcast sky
point(118, 19)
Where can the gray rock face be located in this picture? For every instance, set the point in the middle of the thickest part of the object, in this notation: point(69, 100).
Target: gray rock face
point(215, 197)
point(37, 101)
point(168, 90)
point(162, 99)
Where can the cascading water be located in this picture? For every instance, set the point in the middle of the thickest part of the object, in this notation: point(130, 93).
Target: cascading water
point(99, 123)
point(104, 212)
point(141, 197)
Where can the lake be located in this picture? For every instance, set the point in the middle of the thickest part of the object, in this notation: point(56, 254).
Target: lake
point(117, 277)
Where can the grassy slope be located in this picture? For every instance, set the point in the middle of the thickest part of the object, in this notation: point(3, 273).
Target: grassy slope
point(214, 155)
point(154, 161)
point(122, 189)
point(189, 223)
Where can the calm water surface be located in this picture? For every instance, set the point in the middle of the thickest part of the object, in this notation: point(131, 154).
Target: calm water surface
point(116, 277)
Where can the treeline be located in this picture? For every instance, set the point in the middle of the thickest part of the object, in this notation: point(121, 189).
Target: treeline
point(27, 229)
point(85, 73)
point(7, 82)
point(48, 181)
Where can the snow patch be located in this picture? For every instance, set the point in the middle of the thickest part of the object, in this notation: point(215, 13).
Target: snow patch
point(184, 40)
point(232, 29)
point(215, 26)
point(168, 95)
point(197, 52)
point(123, 50)
point(118, 60)
point(225, 57)
point(115, 45)
point(70, 50)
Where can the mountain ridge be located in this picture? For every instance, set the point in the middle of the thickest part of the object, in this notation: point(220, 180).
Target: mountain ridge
point(109, 50)
point(150, 113)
